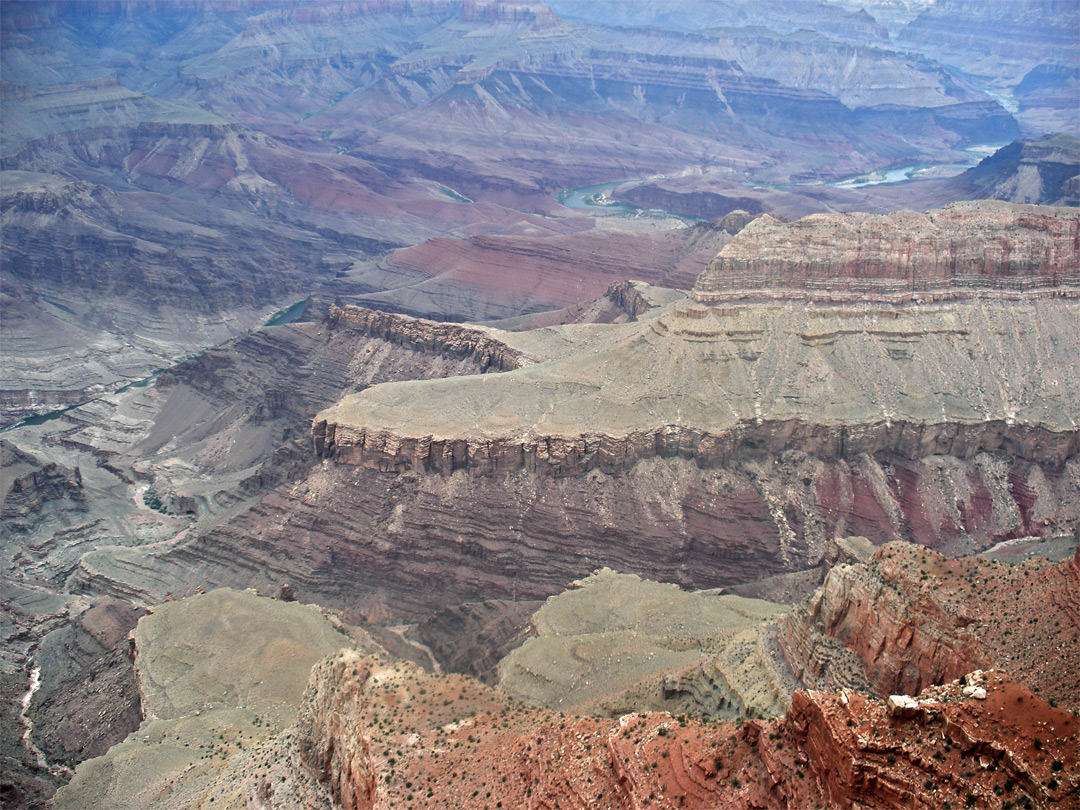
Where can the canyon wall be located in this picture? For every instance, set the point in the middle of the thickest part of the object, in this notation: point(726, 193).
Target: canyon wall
point(973, 249)
point(577, 455)
point(911, 618)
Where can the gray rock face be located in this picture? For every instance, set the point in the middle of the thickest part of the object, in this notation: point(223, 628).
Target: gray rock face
point(88, 700)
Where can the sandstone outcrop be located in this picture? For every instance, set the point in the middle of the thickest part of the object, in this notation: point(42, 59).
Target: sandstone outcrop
point(914, 382)
point(371, 730)
point(971, 249)
point(912, 618)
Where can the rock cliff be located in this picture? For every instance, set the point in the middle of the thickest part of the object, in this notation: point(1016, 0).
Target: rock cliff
point(970, 249)
point(1041, 170)
point(913, 381)
point(912, 618)
point(448, 340)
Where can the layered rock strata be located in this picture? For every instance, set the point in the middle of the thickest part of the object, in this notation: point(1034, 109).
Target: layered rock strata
point(88, 700)
point(709, 384)
point(911, 618)
point(406, 545)
point(370, 729)
point(704, 382)
point(966, 250)
point(446, 339)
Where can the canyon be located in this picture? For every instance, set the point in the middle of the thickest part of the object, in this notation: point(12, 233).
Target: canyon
point(499, 403)
point(372, 731)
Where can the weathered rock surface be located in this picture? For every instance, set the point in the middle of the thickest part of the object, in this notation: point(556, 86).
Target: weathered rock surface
point(88, 700)
point(481, 278)
point(473, 637)
point(897, 381)
point(1041, 170)
point(29, 486)
point(448, 340)
point(216, 673)
point(615, 644)
point(912, 618)
point(966, 249)
point(371, 732)
point(370, 729)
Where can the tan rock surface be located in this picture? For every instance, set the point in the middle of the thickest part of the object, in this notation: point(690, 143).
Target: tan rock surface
point(218, 672)
point(702, 383)
point(614, 643)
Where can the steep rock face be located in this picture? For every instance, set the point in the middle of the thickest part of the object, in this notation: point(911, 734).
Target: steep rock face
point(328, 722)
point(903, 642)
point(860, 755)
point(1037, 171)
point(88, 700)
point(30, 486)
point(473, 637)
point(960, 251)
point(448, 340)
point(406, 545)
point(912, 618)
point(874, 388)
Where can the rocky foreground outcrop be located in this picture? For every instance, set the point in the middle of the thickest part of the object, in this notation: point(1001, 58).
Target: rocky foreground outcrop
point(371, 730)
point(911, 618)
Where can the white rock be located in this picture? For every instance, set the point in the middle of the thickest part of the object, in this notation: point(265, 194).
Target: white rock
point(901, 704)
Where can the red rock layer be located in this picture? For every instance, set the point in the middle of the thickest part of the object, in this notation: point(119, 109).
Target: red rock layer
point(409, 544)
point(914, 618)
point(389, 736)
point(562, 269)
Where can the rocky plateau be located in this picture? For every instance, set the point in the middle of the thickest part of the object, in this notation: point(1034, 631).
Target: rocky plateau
point(499, 403)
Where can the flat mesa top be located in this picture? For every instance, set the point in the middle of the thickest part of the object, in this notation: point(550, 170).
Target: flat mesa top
point(713, 367)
